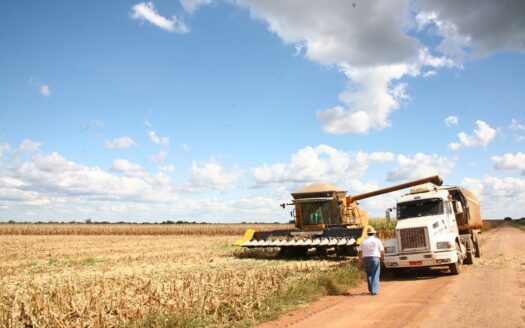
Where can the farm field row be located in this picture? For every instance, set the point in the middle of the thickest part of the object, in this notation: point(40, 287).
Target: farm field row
point(113, 280)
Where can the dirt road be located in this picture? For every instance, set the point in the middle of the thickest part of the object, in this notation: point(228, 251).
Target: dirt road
point(490, 293)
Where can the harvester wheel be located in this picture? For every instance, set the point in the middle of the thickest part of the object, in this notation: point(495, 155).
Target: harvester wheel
point(293, 252)
point(346, 251)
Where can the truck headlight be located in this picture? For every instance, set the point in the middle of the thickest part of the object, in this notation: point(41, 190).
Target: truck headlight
point(390, 249)
point(444, 245)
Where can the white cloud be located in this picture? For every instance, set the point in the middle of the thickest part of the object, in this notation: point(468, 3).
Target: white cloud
point(518, 128)
point(145, 11)
point(510, 162)
point(454, 146)
point(163, 141)
point(515, 125)
point(451, 120)
point(192, 5)
point(170, 168)
point(127, 168)
point(319, 164)
point(120, 143)
point(43, 88)
point(500, 197)
point(419, 166)
point(369, 102)
point(28, 146)
point(374, 44)
point(481, 137)
point(212, 175)
point(160, 157)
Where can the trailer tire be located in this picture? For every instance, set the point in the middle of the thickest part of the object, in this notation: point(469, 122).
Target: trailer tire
point(477, 245)
point(470, 252)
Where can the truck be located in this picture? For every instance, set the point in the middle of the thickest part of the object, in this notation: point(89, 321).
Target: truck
point(326, 220)
point(436, 225)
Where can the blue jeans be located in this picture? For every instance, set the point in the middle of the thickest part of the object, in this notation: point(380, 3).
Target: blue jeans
point(372, 269)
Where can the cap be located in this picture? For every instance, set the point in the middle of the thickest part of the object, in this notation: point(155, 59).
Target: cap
point(370, 230)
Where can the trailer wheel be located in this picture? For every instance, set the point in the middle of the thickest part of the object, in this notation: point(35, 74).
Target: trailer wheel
point(477, 245)
point(470, 252)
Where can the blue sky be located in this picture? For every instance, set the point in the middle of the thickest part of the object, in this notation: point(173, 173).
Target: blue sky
point(215, 111)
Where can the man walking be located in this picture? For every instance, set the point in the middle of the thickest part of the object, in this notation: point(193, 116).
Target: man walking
point(372, 252)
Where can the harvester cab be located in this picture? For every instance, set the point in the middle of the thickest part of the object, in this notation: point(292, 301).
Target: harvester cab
point(325, 219)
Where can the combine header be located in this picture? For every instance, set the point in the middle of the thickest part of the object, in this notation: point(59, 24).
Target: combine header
point(325, 219)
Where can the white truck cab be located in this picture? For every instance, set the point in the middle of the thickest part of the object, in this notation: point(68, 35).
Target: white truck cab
point(426, 231)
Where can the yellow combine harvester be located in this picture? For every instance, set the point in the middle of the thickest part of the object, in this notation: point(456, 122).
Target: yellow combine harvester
point(325, 219)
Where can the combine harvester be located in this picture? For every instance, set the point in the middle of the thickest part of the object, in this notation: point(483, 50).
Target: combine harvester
point(325, 219)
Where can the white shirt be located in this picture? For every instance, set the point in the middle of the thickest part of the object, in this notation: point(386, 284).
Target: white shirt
point(371, 247)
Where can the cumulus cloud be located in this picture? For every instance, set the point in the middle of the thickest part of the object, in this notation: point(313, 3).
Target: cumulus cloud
point(120, 143)
point(500, 197)
point(481, 137)
point(451, 120)
point(478, 27)
point(212, 175)
point(369, 102)
point(510, 162)
point(376, 44)
point(420, 165)
point(160, 157)
point(28, 146)
point(322, 163)
point(127, 168)
point(43, 88)
point(145, 11)
point(163, 141)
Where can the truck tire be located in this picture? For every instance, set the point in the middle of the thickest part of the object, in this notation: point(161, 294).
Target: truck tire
point(455, 268)
point(470, 252)
point(477, 245)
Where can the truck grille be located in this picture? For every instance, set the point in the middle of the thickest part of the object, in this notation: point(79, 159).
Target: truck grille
point(413, 238)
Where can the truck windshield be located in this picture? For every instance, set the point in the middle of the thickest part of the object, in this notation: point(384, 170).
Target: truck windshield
point(314, 213)
point(414, 209)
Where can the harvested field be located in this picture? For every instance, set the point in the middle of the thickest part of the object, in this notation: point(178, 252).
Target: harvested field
point(120, 277)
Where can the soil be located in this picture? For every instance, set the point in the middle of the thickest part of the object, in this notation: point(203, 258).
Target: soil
point(489, 293)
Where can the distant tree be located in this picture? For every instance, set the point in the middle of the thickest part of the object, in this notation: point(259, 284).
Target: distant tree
point(291, 221)
point(88, 221)
point(508, 219)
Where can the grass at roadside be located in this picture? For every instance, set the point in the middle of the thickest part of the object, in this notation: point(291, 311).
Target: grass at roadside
point(330, 281)
point(519, 223)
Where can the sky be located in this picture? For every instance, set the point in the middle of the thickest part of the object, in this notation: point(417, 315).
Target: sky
point(216, 110)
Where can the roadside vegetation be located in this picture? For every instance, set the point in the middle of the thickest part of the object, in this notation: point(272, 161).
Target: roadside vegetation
point(519, 223)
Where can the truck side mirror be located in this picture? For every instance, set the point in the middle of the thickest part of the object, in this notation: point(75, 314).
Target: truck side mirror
point(458, 208)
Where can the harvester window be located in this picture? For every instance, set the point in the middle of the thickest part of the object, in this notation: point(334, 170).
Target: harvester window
point(314, 213)
point(419, 208)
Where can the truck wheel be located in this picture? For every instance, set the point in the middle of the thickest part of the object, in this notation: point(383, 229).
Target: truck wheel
point(455, 268)
point(477, 245)
point(470, 253)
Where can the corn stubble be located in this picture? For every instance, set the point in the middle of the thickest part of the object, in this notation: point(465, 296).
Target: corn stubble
point(45, 282)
